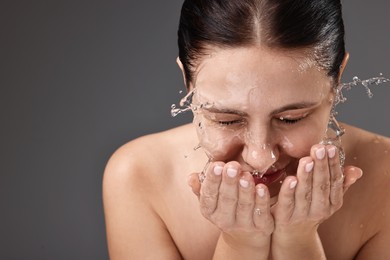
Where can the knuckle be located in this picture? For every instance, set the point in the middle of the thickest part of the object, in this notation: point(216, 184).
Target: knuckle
point(207, 204)
point(323, 186)
point(206, 212)
point(337, 203)
point(308, 196)
point(226, 199)
point(266, 226)
point(337, 184)
point(245, 205)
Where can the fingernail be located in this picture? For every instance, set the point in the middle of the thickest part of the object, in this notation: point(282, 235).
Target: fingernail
point(218, 170)
point(360, 173)
point(320, 153)
point(260, 192)
point(293, 184)
point(309, 166)
point(244, 183)
point(231, 172)
point(359, 170)
point(332, 152)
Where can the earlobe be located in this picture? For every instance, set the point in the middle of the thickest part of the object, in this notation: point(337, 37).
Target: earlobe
point(343, 65)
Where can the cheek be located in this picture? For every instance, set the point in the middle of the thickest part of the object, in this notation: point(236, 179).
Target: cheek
point(218, 143)
point(298, 142)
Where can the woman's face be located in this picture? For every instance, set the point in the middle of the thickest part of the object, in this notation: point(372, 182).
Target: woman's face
point(262, 108)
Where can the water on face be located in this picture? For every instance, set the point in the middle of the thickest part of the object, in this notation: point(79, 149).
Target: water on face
point(332, 135)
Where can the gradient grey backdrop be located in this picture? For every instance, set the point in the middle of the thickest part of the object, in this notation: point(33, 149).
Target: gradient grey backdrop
point(80, 78)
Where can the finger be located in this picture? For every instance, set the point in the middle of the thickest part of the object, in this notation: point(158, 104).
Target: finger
point(303, 192)
point(321, 181)
point(193, 182)
point(210, 188)
point(262, 217)
point(352, 174)
point(246, 201)
point(286, 200)
point(225, 213)
point(336, 177)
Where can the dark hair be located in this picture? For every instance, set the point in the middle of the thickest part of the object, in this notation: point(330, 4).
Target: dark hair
point(282, 24)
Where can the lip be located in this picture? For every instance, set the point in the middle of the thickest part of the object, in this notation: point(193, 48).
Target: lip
point(270, 177)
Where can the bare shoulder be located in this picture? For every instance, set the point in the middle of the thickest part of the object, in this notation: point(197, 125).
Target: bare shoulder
point(371, 194)
point(134, 179)
point(149, 153)
point(368, 150)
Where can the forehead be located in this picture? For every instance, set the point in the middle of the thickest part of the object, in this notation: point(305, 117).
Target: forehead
point(254, 72)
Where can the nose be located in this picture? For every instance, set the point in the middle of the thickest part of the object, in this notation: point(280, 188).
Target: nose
point(260, 151)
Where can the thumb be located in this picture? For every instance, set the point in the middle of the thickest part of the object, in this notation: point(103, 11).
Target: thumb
point(352, 174)
point(193, 182)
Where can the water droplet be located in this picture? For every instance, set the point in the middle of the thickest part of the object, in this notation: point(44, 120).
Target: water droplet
point(355, 82)
point(185, 105)
point(334, 125)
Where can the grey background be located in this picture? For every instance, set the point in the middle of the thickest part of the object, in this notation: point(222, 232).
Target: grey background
point(80, 78)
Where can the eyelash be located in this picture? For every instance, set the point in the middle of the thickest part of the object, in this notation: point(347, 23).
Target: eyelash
point(290, 121)
point(227, 123)
point(283, 120)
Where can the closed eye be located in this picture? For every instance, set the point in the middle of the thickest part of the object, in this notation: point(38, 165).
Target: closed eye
point(225, 123)
point(290, 121)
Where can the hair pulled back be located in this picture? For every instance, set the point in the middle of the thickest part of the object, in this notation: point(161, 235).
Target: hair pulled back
point(316, 25)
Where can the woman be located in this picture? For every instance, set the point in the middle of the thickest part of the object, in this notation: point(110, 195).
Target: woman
point(272, 172)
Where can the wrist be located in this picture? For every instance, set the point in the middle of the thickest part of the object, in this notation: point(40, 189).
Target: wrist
point(296, 245)
point(240, 247)
point(247, 241)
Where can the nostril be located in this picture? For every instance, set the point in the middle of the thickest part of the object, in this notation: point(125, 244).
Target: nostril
point(260, 157)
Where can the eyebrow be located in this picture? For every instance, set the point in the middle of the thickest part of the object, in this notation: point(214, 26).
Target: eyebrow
point(294, 106)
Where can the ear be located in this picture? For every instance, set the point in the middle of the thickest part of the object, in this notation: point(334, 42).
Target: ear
point(178, 61)
point(343, 65)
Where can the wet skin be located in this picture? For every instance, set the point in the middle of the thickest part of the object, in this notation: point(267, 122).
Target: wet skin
point(262, 114)
point(146, 196)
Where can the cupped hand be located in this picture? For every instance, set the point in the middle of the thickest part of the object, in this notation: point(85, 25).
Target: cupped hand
point(229, 199)
point(315, 194)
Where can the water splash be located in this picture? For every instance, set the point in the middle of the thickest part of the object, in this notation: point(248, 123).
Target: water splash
point(333, 137)
point(184, 105)
point(334, 131)
point(356, 81)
